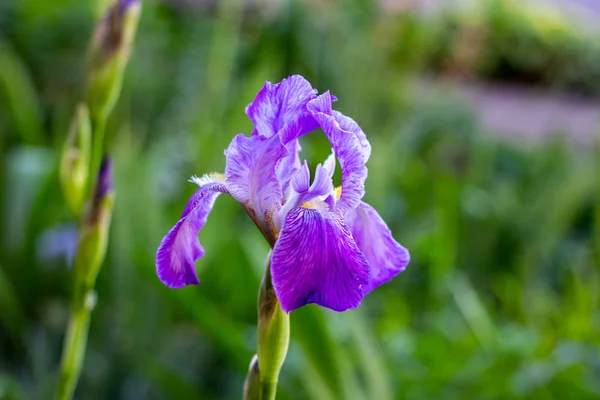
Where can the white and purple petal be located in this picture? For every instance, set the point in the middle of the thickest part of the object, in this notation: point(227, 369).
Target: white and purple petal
point(329, 164)
point(322, 184)
point(386, 257)
point(315, 260)
point(301, 180)
point(348, 150)
point(283, 103)
point(251, 174)
point(180, 247)
point(289, 165)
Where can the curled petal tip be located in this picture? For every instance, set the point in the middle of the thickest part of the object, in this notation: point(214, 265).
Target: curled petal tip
point(180, 248)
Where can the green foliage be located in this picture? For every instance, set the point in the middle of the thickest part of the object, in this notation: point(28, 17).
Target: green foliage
point(500, 300)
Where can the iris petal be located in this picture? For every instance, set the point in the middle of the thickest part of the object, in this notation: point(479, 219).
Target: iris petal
point(279, 104)
point(349, 125)
point(322, 184)
point(348, 151)
point(387, 258)
point(315, 260)
point(329, 164)
point(180, 247)
point(289, 165)
point(251, 174)
point(301, 180)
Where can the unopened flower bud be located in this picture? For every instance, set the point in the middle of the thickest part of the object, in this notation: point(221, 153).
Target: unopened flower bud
point(75, 160)
point(252, 382)
point(93, 238)
point(108, 55)
point(273, 332)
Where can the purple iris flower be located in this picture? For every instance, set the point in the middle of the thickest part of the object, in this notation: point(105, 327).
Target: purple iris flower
point(329, 247)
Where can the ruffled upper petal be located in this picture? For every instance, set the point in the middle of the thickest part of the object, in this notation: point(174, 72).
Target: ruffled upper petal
point(315, 260)
point(386, 257)
point(348, 151)
point(180, 247)
point(349, 125)
point(251, 175)
point(283, 103)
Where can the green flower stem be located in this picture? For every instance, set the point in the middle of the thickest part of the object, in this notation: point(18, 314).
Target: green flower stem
point(75, 344)
point(268, 390)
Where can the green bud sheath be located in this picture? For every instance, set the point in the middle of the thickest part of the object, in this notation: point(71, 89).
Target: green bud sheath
point(273, 335)
point(93, 238)
point(252, 383)
point(108, 56)
point(75, 160)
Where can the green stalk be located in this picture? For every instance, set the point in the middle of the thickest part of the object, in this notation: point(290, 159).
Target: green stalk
point(268, 390)
point(75, 343)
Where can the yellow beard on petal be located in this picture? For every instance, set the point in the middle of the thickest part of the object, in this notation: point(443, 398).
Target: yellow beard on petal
point(338, 192)
point(315, 205)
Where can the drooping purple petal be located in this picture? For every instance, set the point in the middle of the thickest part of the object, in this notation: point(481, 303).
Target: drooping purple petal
point(348, 151)
point(279, 104)
point(180, 247)
point(315, 260)
point(387, 258)
point(251, 175)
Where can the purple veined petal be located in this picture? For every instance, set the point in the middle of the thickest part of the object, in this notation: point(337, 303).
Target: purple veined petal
point(322, 184)
point(348, 151)
point(301, 180)
point(251, 175)
point(315, 260)
point(289, 165)
point(349, 125)
point(297, 125)
point(278, 104)
point(180, 247)
point(386, 257)
point(303, 191)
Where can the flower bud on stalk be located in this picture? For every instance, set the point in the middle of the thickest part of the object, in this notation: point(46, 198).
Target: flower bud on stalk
point(93, 238)
point(75, 160)
point(273, 335)
point(108, 55)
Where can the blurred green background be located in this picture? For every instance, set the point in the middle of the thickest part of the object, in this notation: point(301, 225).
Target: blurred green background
point(500, 300)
